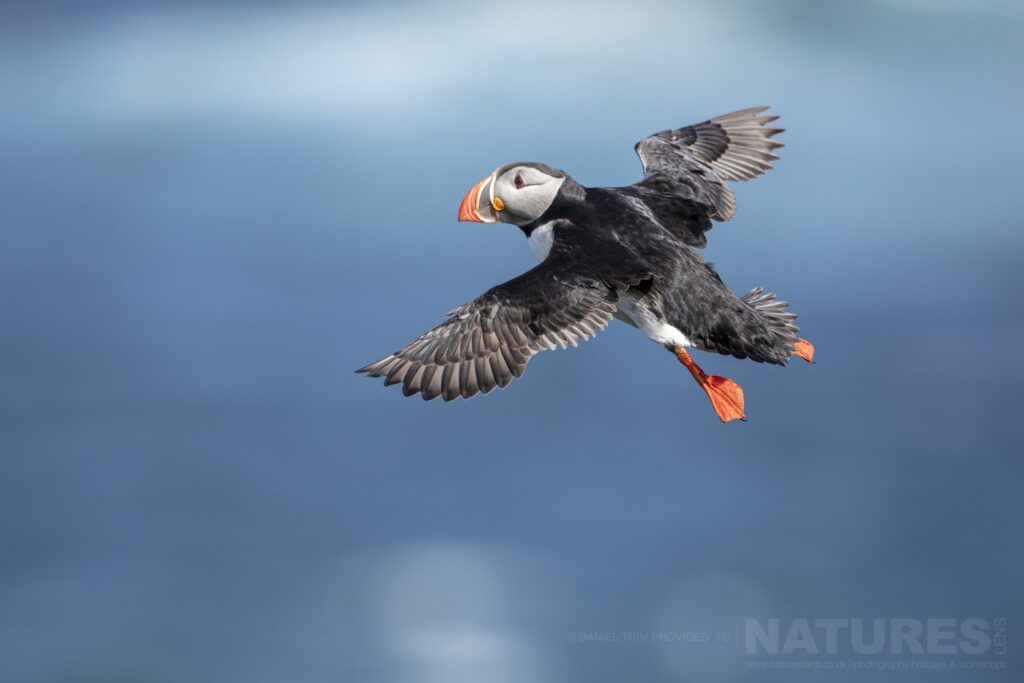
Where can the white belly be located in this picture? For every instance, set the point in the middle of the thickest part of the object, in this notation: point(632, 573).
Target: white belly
point(658, 330)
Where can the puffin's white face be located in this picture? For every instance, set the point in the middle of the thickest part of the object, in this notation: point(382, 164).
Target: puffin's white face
point(517, 193)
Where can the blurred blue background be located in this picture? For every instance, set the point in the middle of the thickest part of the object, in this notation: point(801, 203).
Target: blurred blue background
point(213, 213)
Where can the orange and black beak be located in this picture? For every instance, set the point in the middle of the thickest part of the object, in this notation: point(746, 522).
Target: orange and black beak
point(479, 203)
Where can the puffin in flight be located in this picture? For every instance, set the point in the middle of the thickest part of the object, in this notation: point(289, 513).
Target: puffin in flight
point(623, 252)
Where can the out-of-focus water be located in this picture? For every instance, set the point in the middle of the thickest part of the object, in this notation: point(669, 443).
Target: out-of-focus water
point(212, 216)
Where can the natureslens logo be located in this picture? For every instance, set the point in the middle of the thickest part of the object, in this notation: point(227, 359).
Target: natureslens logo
point(834, 636)
point(826, 644)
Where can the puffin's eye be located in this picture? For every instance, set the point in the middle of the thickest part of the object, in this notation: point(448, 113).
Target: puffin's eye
point(518, 181)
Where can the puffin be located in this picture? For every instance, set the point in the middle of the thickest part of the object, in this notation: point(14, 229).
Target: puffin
point(628, 253)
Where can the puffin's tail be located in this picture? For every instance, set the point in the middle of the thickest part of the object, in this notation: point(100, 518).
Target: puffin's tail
point(780, 321)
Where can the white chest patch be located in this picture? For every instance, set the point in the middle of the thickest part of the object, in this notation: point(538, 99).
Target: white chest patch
point(540, 241)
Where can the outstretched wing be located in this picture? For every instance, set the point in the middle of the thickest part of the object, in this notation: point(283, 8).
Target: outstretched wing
point(693, 163)
point(488, 341)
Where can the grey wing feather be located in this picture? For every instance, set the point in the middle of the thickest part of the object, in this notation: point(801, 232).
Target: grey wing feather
point(699, 158)
point(487, 342)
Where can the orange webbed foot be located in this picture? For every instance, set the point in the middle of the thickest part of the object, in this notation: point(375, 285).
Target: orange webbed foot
point(804, 349)
point(726, 396)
